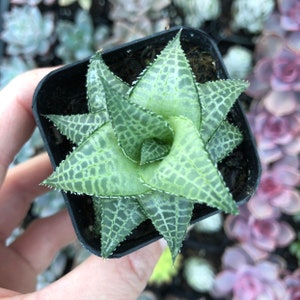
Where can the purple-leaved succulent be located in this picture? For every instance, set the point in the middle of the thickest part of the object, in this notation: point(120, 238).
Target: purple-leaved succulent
point(247, 279)
point(289, 14)
point(277, 191)
point(249, 268)
point(135, 19)
point(265, 234)
point(292, 282)
point(286, 71)
point(273, 27)
point(279, 70)
point(276, 136)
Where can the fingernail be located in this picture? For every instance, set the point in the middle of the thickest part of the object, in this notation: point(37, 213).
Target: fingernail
point(163, 243)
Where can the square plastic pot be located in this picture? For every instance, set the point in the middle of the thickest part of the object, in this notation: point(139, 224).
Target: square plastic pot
point(63, 92)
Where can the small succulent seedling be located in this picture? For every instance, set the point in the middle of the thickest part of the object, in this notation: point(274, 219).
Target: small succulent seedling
point(76, 39)
point(150, 150)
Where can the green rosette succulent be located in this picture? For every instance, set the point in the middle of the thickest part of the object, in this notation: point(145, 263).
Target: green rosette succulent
point(150, 150)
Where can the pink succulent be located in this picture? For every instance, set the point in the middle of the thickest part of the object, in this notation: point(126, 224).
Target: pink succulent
point(274, 28)
point(267, 49)
point(276, 135)
point(286, 71)
point(280, 72)
point(281, 103)
point(292, 282)
point(264, 234)
point(289, 14)
point(249, 272)
point(245, 279)
point(277, 190)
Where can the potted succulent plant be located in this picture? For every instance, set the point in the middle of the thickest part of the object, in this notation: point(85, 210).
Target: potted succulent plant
point(146, 139)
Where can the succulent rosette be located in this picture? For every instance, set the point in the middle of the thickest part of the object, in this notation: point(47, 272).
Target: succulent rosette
point(276, 135)
point(277, 191)
point(149, 151)
point(292, 282)
point(280, 73)
point(26, 31)
point(263, 234)
point(289, 14)
point(245, 278)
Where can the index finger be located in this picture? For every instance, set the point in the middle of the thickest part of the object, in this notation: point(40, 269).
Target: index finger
point(16, 119)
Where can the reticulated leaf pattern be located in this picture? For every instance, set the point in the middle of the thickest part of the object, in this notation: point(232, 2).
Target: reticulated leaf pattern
point(98, 72)
point(188, 171)
point(223, 141)
point(153, 150)
point(217, 97)
point(149, 151)
point(133, 125)
point(97, 168)
point(166, 95)
point(117, 219)
point(170, 216)
point(79, 127)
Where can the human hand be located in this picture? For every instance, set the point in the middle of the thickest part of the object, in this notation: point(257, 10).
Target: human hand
point(33, 251)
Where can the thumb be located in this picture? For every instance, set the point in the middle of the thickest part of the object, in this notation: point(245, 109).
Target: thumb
point(98, 278)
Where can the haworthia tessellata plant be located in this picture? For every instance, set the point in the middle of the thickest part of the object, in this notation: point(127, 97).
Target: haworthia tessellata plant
point(150, 150)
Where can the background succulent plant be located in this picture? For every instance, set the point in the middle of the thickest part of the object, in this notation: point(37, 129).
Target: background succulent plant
point(196, 12)
point(14, 66)
point(261, 231)
point(32, 2)
point(251, 15)
point(136, 19)
point(85, 4)
point(245, 276)
point(77, 40)
point(27, 31)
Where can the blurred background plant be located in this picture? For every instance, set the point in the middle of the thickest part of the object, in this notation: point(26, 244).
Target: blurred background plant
point(27, 32)
point(197, 12)
point(250, 256)
point(251, 15)
point(268, 225)
point(84, 4)
point(77, 40)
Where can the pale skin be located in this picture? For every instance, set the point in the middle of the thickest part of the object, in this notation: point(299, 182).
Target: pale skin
point(33, 251)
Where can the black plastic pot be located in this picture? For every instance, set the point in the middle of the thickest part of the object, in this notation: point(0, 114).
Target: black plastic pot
point(63, 92)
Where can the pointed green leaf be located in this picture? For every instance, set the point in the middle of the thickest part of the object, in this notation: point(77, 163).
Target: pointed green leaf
point(153, 150)
point(98, 167)
point(224, 140)
point(217, 97)
point(167, 86)
point(98, 71)
point(118, 218)
point(170, 215)
point(133, 124)
point(188, 172)
point(78, 127)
